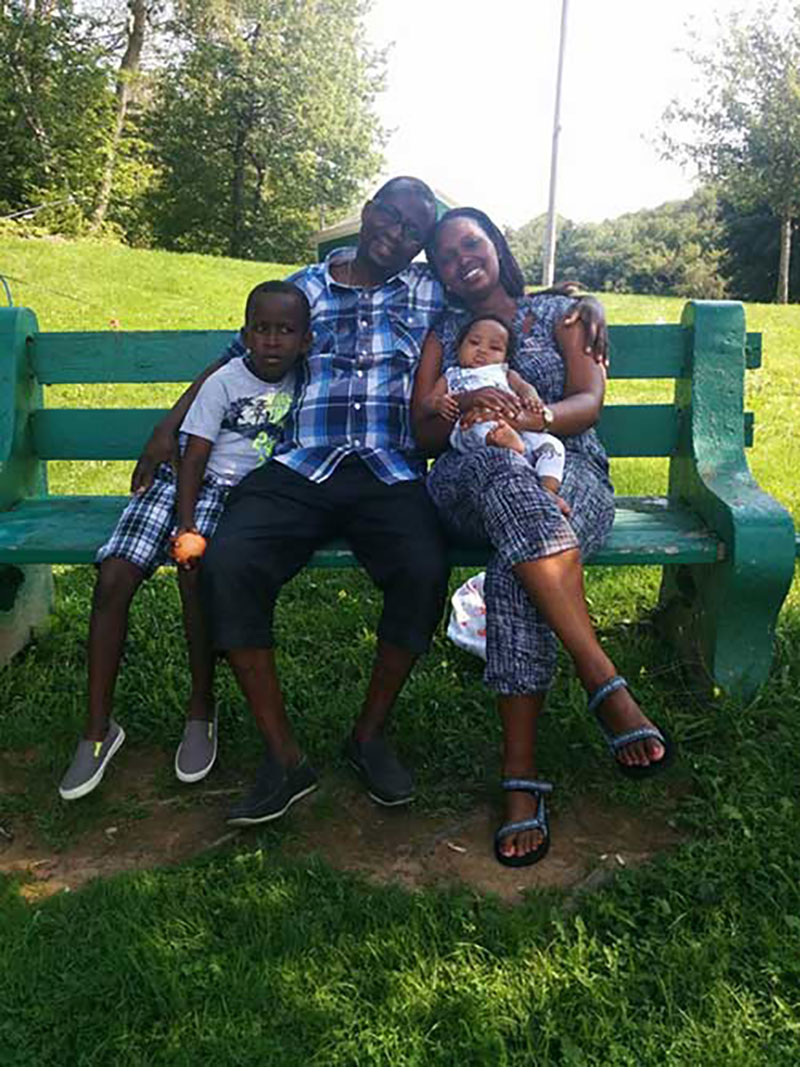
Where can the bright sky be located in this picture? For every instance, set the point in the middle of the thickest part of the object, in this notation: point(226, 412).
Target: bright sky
point(471, 91)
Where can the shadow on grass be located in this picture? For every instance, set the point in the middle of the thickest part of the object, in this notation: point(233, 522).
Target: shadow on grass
point(248, 957)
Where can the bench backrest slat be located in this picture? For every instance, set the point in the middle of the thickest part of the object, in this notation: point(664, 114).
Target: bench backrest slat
point(135, 356)
point(179, 355)
point(119, 433)
point(660, 351)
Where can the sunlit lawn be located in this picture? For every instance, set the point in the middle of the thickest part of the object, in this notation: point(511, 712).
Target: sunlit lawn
point(250, 958)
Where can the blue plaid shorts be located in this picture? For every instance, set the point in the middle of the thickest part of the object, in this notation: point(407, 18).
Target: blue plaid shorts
point(142, 533)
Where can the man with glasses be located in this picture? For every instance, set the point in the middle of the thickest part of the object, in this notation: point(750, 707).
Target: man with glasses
point(347, 467)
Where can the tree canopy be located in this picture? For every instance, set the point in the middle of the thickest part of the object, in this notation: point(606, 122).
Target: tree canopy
point(742, 130)
point(225, 126)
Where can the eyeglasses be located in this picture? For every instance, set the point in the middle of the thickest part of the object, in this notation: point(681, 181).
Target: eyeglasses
point(386, 215)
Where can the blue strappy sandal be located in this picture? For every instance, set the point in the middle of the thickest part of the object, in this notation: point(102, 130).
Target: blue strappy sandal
point(538, 822)
point(616, 742)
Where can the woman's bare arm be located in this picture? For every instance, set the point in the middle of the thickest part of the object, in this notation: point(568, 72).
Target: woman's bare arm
point(584, 389)
point(162, 444)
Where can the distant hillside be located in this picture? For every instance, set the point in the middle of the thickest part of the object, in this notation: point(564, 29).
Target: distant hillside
point(91, 285)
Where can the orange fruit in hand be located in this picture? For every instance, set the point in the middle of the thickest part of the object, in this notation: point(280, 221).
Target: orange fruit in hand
point(188, 546)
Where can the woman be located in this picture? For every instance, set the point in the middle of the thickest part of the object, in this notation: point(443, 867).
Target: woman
point(534, 580)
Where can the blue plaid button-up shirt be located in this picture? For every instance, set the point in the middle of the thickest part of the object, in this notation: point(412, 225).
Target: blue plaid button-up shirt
point(354, 397)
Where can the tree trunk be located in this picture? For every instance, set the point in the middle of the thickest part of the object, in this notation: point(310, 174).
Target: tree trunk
point(782, 293)
point(129, 66)
point(236, 241)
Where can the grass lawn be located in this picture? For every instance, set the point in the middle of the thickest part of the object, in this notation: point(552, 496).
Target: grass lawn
point(255, 955)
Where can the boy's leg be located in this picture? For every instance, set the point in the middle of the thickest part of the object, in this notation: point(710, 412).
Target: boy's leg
point(197, 751)
point(137, 546)
point(117, 581)
point(198, 644)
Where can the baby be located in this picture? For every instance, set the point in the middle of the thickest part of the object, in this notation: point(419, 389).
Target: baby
point(484, 346)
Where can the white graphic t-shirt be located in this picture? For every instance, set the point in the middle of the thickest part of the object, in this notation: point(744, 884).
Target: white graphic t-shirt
point(243, 415)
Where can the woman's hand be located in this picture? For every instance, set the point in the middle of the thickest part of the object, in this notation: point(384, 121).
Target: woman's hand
point(490, 399)
point(161, 447)
point(590, 312)
point(475, 415)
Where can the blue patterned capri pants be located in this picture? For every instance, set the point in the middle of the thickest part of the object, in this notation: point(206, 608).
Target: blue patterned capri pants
point(493, 496)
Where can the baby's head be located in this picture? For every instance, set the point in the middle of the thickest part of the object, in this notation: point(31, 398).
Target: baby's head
point(276, 328)
point(486, 339)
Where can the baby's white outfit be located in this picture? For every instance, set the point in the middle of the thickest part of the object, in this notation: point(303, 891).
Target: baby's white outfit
point(544, 451)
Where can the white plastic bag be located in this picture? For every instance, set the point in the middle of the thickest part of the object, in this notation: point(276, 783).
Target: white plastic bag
point(467, 626)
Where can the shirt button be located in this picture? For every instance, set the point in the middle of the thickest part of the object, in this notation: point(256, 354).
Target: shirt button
point(357, 444)
point(357, 407)
point(361, 374)
point(364, 322)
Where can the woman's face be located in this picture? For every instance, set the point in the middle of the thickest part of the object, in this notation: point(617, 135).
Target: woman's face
point(466, 259)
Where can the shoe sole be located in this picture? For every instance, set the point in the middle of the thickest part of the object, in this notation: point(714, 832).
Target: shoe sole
point(374, 796)
point(244, 820)
point(92, 783)
point(195, 776)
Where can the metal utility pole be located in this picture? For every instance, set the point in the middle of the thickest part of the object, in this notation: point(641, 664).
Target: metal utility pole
point(548, 270)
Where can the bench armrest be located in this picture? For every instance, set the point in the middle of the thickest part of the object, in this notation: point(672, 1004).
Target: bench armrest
point(21, 472)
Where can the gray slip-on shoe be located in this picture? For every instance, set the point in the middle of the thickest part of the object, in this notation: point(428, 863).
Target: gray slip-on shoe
point(388, 782)
point(198, 749)
point(89, 763)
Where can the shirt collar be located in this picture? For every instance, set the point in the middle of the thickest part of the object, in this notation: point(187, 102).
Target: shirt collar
point(347, 255)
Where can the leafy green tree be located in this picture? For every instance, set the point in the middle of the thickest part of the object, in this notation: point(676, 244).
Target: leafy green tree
point(743, 130)
point(55, 112)
point(675, 248)
point(261, 120)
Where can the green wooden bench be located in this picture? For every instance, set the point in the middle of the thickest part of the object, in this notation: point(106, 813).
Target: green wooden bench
point(727, 549)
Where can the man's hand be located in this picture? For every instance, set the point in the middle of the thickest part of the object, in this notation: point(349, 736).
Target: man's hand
point(590, 313)
point(161, 447)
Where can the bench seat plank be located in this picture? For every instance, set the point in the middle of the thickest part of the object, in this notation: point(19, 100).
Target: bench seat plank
point(69, 529)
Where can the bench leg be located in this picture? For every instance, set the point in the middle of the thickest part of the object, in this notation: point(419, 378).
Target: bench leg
point(26, 600)
point(721, 623)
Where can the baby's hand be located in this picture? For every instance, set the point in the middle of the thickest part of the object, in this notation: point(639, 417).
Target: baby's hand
point(446, 405)
point(531, 400)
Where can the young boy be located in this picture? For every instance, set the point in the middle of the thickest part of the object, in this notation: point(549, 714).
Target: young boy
point(484, 348)
point(231, 428)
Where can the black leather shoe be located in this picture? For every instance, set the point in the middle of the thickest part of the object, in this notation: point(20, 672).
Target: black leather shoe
point(387, 780)
point(276, 789)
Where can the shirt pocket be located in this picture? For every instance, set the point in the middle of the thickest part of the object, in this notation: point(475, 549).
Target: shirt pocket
point(409, 330)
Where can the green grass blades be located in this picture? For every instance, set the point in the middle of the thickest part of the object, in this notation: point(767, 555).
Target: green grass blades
point(252, 957)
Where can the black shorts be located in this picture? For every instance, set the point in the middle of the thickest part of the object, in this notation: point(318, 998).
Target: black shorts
point(275, 519)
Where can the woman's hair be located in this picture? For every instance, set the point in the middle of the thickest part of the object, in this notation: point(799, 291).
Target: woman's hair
point(462, 333)
point(511, 277)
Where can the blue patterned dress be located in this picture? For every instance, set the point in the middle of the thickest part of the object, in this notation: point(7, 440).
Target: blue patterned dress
point(493, 495)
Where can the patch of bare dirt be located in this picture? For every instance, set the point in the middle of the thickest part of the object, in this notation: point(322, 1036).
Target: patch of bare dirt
point(591, 840)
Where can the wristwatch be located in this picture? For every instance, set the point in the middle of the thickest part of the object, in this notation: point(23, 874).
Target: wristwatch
point(547, 418)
